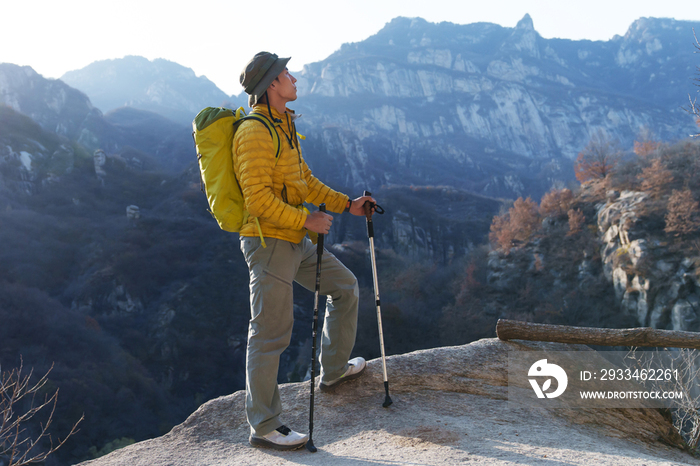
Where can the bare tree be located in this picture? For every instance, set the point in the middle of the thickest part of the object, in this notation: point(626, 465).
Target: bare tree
point(646, 143)
point(20, 401)
point(598, 159)
point(686, 418)
point(683, 364)
point(693, 107)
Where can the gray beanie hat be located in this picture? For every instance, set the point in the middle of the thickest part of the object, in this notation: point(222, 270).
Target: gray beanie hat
point(259, 73)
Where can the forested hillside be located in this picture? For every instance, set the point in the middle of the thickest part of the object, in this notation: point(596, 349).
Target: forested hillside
point(620, 251)
point(144, 315)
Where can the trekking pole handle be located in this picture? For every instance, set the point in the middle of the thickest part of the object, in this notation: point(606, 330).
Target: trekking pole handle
point(319, 249)
point(368, 206)
point(368, 213)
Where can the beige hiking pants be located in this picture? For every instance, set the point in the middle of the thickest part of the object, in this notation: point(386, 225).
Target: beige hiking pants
point(272, 271)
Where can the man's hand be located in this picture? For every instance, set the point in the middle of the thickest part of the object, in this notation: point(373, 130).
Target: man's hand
point(358, 205)
point(318, 222)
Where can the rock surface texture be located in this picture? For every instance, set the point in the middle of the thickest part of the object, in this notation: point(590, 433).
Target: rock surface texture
point(653, 282)
point(450, 407)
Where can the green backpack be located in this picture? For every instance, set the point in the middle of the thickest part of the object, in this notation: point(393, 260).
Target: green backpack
point(213, 131)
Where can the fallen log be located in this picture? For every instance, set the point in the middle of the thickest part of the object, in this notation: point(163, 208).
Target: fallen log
point(643, 336)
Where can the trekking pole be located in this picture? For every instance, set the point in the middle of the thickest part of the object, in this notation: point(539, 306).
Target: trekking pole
point(370, 233)
point(314, 329)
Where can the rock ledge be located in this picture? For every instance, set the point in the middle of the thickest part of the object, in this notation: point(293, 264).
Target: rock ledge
point(449, 407)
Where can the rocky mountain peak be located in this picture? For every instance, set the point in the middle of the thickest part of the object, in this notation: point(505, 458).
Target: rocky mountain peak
point(15, 79)
point(647, 28)
point(402, 24)
point(53, 104)
point(525, 23)
point(158, 86)
point(649, 42)
point(523, 40)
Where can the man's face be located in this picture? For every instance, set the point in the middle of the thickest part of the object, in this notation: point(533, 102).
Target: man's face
point(285, 86)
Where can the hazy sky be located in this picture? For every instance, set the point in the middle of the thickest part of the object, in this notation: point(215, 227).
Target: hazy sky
point(216, 37)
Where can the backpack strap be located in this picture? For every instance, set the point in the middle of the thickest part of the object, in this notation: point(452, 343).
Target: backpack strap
point(270, 127)
point(275, 140)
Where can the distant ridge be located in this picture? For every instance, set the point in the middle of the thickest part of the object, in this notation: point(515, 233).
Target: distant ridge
point(158, 86)
point(61, 109)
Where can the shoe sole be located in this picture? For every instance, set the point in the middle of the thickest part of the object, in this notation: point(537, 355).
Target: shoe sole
point(329, 388)
point(261, 442)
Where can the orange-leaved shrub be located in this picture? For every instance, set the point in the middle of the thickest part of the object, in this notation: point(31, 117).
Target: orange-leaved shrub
point(683, 214)
point(655, 178)
point(646, 143)
point(576, 221)
point(645, 148)
point(556, 203)
point(516, 226)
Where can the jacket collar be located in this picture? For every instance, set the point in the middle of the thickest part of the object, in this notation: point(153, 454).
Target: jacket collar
point(273, 114)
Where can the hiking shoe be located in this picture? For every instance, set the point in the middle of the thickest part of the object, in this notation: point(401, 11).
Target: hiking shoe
point(357, 367)
point(282, 438)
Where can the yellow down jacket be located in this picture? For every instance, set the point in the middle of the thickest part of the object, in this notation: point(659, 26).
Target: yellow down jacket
point(274, 193)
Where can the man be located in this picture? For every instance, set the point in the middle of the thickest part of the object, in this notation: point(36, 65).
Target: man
point(278, 252)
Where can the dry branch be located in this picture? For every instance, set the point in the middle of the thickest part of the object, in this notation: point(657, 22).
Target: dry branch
point(19, 402)
point(644, 336)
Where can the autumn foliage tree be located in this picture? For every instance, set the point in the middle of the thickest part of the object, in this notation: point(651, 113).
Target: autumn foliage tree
point(655, 178)
point(646, 144)
point(576, 221)
point(517, 225)
point(469, 284)
point(645, 148)
point(556, 203)
point(598, 159)
point(683, 214)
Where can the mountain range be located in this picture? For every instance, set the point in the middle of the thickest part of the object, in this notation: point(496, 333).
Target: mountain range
point(501, 111)
point(494, 110)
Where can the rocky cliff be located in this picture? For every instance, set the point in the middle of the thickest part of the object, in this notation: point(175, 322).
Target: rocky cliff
point(449, 407)
point(32, 159)
point(654, 282)
point(492, 109)
point(632, 262)
point(57, 107)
